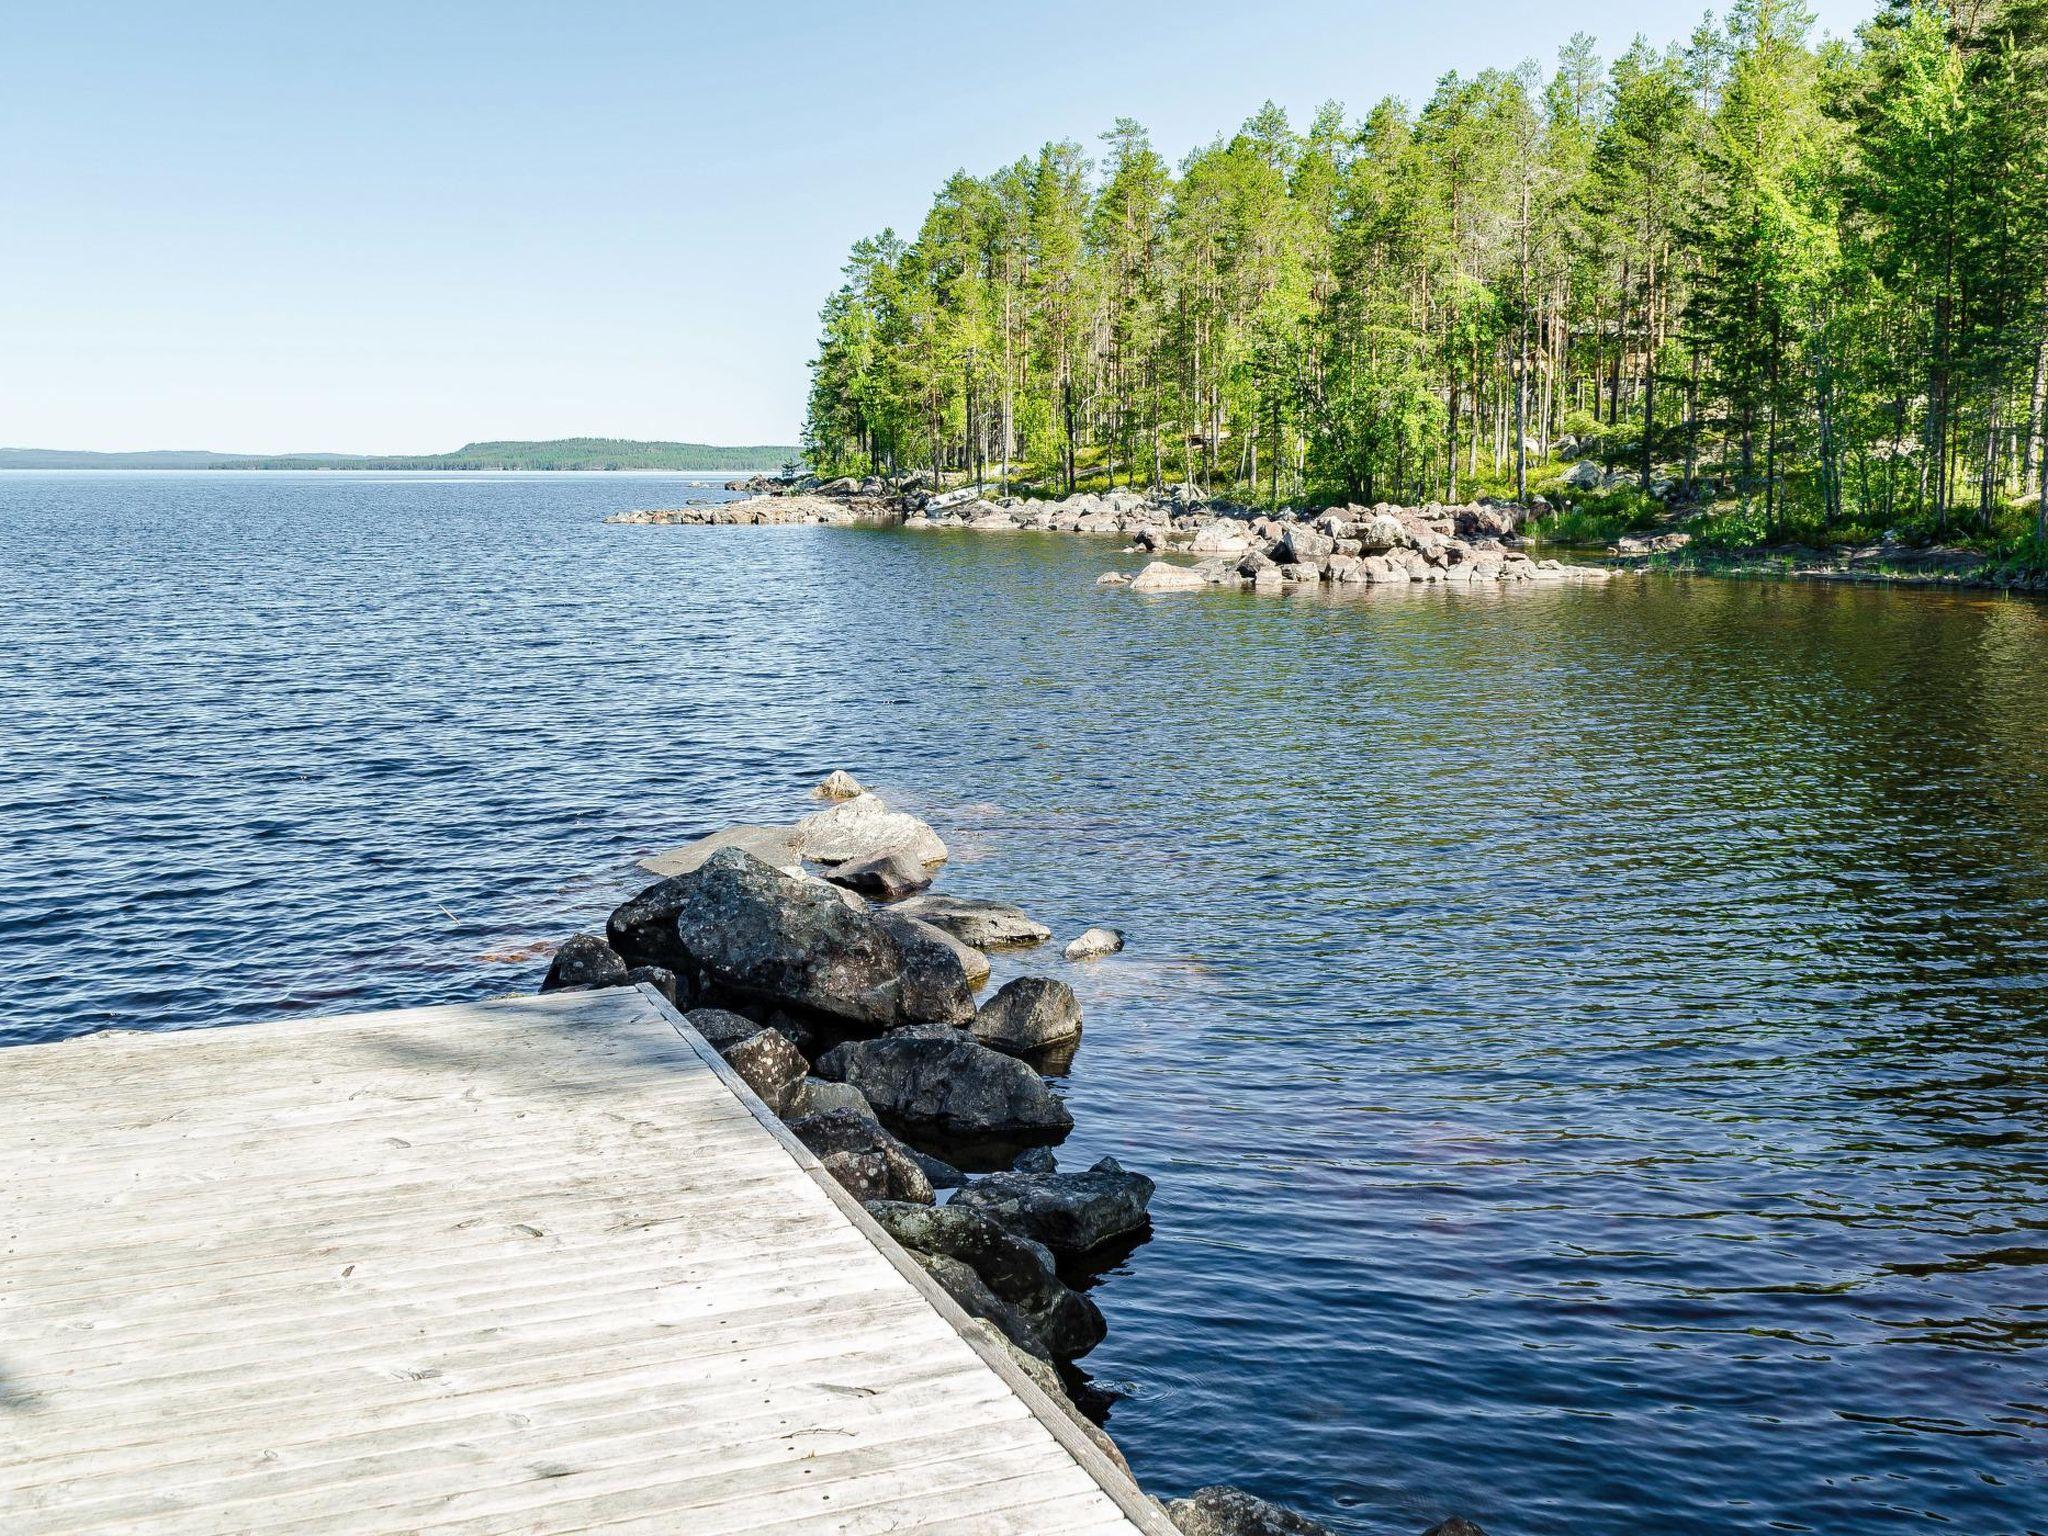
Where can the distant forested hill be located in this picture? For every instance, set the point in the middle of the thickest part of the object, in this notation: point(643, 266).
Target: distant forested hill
point(557, 453)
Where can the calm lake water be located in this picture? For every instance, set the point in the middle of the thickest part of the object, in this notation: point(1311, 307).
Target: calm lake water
point(1592, 1044)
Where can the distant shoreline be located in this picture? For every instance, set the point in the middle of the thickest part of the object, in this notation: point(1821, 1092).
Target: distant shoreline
point(602, 455)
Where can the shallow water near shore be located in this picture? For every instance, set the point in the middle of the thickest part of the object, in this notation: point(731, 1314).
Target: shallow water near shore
point(1592, 1042)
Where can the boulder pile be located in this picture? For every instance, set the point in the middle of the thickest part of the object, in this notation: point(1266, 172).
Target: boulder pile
point(855, 1022)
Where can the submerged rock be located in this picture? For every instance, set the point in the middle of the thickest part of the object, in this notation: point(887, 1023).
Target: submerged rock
point(1070, 1213)
point(1457, 1525)
point(983, 924)
point(773, 846)
point(1233, 1512)
point(951, 1088)
point(1028, 1014)
point(754, 932)
point(865, 828)
point(839, 785)
point(1094, 943)
point(582, 963)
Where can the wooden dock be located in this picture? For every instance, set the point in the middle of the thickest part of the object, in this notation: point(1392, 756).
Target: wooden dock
point(537, 1266)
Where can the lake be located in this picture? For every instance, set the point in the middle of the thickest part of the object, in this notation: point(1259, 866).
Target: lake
point(1592, 1042)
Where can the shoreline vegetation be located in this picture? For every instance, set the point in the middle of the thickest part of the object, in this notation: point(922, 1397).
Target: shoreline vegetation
point(563, 453)
point(1757, 288)
point(815, 960)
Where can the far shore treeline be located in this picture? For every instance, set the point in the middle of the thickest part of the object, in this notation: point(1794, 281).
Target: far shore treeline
point(555, 453)
point(1801, 285)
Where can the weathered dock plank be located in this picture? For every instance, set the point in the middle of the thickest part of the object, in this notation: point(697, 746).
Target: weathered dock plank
point(540, 1265)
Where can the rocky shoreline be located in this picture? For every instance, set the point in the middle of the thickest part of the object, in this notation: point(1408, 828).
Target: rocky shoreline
point(1231, 546)
point(1237, 547)
point(813, 958)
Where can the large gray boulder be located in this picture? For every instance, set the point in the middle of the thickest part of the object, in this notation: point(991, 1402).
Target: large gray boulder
point(1233, 1512)
point(583, 962)
point(948, 1087)
point(868, 1162)
point(737, 926)
point(1028, 1014)
point(865, 828)
point(971, 920)
point(1070, 1213)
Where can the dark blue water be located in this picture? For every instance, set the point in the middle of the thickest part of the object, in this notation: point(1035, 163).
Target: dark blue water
point(1592, 1044)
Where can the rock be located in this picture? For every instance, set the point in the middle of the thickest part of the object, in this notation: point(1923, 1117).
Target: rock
point(1112, 579)
point(1303, 546)
point(720, 1027)
point(767, 1063)
point(886, 877)
point(950, 1088)
point(1095, 943)
point(838, 785)
point(773, 846)
point(1047, 1380)
point(1028, 1014)
point(1233, 1512)
point(1379, 533)
point(1161, 577)
point(663, 980)
point(582, 963)
point(1457, 1525)
point(935, 965)
point(1070, 1213)
point(983, 924)
point(756, 932)
point(977, 1300)
point(1038, 1160)
point(1022, 1273)
point(1220, 539)
point(1013, 1267)
point(1583, 476)
point(825, 1098)
point(868, 1162)
point(865, 828)
point(937, 1171)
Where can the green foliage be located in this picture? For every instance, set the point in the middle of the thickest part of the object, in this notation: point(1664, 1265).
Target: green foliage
point(1812, 276)
point(1599, 517)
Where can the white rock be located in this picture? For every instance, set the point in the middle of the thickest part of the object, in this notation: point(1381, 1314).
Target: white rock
point(1161, 577)
point(1095, 943)
point(839, 785)
point(864, 828)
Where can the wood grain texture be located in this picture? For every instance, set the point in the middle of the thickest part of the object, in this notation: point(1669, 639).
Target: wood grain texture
point(534, 1265)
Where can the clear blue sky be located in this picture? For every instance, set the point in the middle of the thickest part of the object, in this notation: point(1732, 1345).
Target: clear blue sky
point(379, 227)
